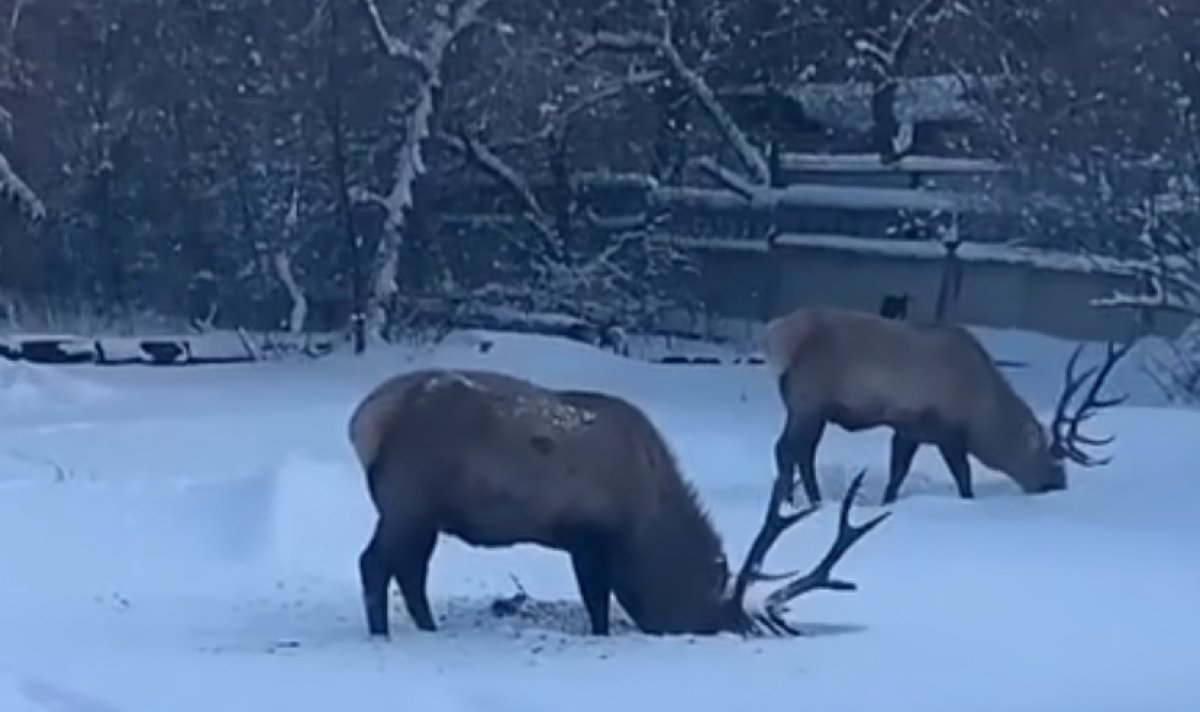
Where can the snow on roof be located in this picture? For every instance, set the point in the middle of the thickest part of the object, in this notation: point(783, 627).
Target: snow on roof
point(938, 97)
point(825, 196)
point(873, 162)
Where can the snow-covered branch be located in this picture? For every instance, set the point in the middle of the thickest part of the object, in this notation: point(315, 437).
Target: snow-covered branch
point(1169, 271)
point(928, 10)
point(663, 45)
point(16, 189)
point(884, 50)
point(726, 177)
point(618, 42)
point(359, 194)
point(495, 166)
point(392, 45)
point(560, 119)
point(885, 55)
point(742, 196)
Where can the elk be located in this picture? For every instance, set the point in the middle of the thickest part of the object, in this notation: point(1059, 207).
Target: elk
point(495, 460)
point(930, 383)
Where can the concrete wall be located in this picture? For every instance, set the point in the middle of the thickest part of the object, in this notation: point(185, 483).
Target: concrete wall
point(756, 284)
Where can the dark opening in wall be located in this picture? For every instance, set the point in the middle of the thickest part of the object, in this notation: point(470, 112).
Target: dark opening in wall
point(894, 306)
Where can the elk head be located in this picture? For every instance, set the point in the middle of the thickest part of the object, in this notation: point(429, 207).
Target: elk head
point(766, 617)
point(1062, 441)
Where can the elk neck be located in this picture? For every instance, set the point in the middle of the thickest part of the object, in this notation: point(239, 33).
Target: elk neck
point(675, 571)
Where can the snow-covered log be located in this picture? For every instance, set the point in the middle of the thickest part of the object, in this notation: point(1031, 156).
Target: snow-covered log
point(446, 27)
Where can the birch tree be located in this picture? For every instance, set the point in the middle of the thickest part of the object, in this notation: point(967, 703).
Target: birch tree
point(12, 185)
point(448, 22)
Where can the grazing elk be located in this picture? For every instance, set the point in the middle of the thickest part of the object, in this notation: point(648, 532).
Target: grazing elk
point(931, 384)
point(495, 461)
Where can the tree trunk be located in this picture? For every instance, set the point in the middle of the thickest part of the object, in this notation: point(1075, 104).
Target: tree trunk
point(344, 208)
point(410, 163)
point(298, 314)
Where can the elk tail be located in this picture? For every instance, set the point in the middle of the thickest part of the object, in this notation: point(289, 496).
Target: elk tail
point(782, 336)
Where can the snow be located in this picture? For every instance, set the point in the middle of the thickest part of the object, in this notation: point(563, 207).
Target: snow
point(24, 385)
point(68, 344)
point(193, 547)
point(872, 162)
point(820, 196)
point(976, 252)
point(967, 251)
point(13, 187)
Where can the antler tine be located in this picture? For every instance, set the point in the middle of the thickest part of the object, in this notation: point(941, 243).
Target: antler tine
point(773, 526)
point(1112, 355)
point(1067, 444)
point(1072, 384)
point(821, 575)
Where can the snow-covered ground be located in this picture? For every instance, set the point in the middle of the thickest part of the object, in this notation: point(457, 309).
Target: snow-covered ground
point(186, 540)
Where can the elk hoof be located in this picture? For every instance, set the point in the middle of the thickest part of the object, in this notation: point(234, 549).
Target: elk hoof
point(797, 502)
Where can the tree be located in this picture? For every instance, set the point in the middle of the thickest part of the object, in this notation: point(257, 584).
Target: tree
point(12, 185)
point(444, 23)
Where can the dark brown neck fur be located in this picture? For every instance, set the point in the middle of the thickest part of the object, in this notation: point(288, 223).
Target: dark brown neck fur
point(677, 562)
point(672, 564)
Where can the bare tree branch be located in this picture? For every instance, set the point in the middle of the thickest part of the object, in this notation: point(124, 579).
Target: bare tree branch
point(496, 167)
point(726, 177)
point(663, 45)
point(927, 10)
point(618, 42)
point(392, 45)
point(560, 120)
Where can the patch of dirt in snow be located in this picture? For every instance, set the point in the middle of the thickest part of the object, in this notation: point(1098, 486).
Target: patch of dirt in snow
point(307, 607)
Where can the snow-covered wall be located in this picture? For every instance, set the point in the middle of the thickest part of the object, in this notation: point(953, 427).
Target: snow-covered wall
point(1037, 290)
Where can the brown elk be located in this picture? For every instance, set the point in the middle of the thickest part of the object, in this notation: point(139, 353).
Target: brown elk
point(495, 460)
point(930, 384)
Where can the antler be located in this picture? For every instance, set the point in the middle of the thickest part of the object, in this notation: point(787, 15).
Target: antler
point(770, 616)
point(1065, 444)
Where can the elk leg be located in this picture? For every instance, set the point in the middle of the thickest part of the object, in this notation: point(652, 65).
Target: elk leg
point(954, 452)
point(375, 575)
point(593, 574)
point(785, 468)
point(797, 445)
point(903, 451)
point(410, 566)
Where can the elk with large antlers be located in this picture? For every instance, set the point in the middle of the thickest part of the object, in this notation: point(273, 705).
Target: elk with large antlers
point(931, 384)
point(496, 461)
